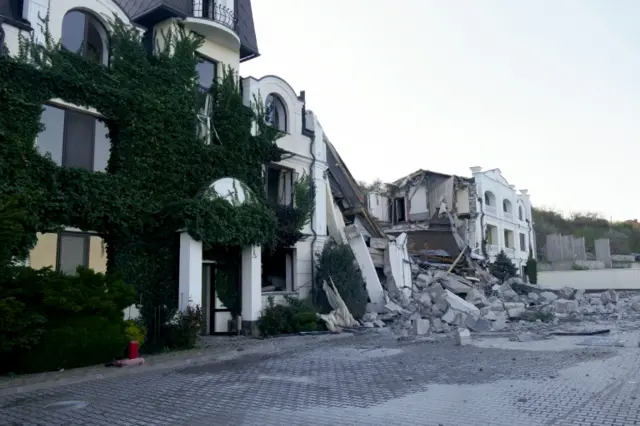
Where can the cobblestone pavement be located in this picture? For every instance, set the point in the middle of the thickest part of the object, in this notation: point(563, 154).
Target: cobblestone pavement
point(364, 380)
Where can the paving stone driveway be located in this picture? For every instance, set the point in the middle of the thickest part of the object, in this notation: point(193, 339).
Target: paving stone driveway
point(364, 380)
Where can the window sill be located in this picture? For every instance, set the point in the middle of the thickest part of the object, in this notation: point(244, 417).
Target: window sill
point(279, 293)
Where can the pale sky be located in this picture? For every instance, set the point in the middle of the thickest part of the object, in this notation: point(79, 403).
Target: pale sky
point(546, 90)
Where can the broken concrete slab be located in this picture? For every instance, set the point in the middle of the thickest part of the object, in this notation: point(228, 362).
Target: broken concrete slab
point(477, 324)
point(462, 336)
point(609, 296)
point(421, 326)
point(477, 298)
point(361, 253)
point(379, 243)
point(548, 296)
point(563, 306)
point(454, 283)
point(566, 292)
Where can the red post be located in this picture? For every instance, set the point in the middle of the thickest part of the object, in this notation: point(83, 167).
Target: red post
point(133, 349)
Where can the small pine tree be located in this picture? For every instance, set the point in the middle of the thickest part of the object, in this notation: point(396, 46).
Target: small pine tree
point(502, 268)
point(532, 268)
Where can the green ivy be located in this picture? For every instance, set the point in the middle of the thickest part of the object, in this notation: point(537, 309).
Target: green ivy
point(159, 169)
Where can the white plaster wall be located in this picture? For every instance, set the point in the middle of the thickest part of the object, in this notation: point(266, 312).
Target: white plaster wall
point(595, 279)
point(494, 181)
point(378, 205)
point(418, 200)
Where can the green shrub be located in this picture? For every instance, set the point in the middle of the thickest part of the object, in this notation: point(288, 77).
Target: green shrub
point(183, 331)
point(339, 263)
point(502, 268)
point(60, 321)
point(77, 342)
point(135, 331)
point(295, 317)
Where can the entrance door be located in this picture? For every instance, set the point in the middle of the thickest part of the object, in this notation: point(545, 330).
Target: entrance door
point(223, 281)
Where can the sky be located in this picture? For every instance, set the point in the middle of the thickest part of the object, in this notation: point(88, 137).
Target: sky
point(547, 91)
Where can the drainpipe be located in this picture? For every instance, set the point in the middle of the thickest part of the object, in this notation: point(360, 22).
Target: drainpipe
point(312, 190)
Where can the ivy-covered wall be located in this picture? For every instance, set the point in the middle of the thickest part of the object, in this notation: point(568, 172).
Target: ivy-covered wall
point(158, 168)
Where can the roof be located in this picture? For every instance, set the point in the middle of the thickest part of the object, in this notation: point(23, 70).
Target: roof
point(343, 184)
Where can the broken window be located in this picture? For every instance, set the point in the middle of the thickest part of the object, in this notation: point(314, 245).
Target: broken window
point(276, 113)
point(523, 242)
point(280, 185)
point(401, 215)
point(278, 269)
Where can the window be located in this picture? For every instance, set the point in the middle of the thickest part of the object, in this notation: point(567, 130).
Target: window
point(507, 207)
point(523, 242)
point(280, 184)
point(401, 215)
point(278, 269)
point(489, 199)
point(492, 235)
point(74, 139)
point(508, 239)
point(73, 251)
point(84, 34)
point(520, 213)
point(206, 71)
point(276, 113)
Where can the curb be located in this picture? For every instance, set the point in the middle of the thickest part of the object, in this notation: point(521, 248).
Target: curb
point(9, 389)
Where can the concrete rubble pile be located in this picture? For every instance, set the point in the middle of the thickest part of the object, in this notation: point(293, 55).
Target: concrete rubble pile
point(443, 302)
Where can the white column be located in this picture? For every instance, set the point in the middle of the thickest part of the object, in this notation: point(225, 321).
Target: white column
point(363, 257)
point(190, 281)
point(251, 283)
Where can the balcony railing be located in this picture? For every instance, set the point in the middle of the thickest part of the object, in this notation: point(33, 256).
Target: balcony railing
point(508, 217)
point(214, 11)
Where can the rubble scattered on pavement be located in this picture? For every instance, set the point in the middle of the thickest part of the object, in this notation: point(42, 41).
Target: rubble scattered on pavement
point(443, 302)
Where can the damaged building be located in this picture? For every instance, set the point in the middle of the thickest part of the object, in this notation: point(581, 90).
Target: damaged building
point(428, 206)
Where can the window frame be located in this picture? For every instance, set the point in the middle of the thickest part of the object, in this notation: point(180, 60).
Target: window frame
point(85, 254)
point(96, 117)
point(523, 242)
point(91, 17)
point(215, 64)
point(292, 178)
point(277, 99)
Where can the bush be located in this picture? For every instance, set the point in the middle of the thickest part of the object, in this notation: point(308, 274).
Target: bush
point(338, 262)
point(297, 316)
point(183, 331)
point(502, 268)
point(135, 332)
point(51, 320)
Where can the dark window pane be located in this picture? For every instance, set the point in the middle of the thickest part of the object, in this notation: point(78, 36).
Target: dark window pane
point(73, 25)
point(78, 140)
point(206, 73)
point(50, 139)
point(273, 182)
point(95, 43)
point(73, 253)
point(102, 147)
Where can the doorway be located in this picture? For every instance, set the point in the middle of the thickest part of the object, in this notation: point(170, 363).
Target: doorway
point(221, 282)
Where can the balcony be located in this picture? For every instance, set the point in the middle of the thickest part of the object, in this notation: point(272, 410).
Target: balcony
point(491, 210)
point(508, 217)
point(216, 21)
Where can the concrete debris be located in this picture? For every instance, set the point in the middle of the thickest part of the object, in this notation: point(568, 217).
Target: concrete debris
point(462, 336)
point(444, 302)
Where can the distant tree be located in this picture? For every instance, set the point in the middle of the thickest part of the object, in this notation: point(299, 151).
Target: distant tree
point(375, 186)
point(531, 268)
point(502, 268)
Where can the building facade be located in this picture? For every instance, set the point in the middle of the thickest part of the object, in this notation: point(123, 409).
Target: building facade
point(229, 38)
point(504, 219)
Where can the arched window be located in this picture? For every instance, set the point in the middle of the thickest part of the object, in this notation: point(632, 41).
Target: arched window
point(84, 34)
point(506, 206)
point(520, 213)
point(489, 199)
point(276, 112)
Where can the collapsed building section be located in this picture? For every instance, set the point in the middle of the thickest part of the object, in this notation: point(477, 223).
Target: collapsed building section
point(438, 212)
